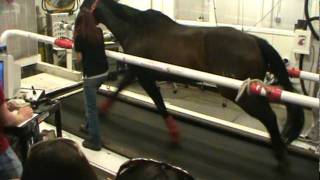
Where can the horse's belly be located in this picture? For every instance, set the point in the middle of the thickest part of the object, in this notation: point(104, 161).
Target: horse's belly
point(184, 56)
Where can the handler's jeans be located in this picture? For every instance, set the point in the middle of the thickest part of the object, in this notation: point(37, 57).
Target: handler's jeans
point(90, 88)
point(10, 165)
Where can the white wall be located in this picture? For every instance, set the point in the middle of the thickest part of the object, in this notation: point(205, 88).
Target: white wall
point(169, 8)
point(247, 12)
point(140, 4)
point(259, 13)
point(192, 10)
point(157, 5)
point(21, 14)
point(165, 6)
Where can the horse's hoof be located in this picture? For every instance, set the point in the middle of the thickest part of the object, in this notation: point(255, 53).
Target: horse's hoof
point(173, 130)
point(105, 106)
point(101, 114)
point(288, 137)
point(286, 141)
point(281, 155)
point(283, 164)
point(175, 137)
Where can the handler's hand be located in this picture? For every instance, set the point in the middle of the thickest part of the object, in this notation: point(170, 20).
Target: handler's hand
point(25, 112)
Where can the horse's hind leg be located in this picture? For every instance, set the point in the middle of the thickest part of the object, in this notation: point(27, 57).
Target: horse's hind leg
point(259, 108)
point(106, 104)
point(149, 85)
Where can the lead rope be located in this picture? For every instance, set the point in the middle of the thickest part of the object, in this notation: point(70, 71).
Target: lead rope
point(246, 87)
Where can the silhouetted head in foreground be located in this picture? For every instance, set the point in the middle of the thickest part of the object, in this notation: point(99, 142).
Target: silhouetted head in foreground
point(57, 159)
point(147, 169)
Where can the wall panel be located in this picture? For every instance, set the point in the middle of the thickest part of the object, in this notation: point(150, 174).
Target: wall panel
point(19, 15)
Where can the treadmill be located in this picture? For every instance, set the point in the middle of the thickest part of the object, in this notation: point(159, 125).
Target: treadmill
point(208, 153)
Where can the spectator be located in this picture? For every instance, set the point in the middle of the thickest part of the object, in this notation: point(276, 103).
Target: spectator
point(58, 159)
point(10, 165)
point(148, 169)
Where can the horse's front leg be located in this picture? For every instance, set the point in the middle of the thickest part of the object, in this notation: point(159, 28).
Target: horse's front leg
point(149, 85)
point(107, 103)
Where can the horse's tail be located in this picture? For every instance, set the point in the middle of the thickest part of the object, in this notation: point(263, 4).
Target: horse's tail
point(295, 114)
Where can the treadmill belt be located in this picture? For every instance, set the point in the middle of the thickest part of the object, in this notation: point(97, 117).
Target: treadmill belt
point(135, 132)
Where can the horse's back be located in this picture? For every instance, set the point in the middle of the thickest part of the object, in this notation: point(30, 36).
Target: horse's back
point(233, 53)
point(219, 50)
point(151, 18)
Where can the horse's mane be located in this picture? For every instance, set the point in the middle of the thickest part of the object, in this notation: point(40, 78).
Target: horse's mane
point(137, 17)
point(154, 17)
point(124, 12)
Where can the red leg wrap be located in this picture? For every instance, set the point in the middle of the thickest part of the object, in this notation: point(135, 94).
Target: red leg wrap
point(105, 106)
point(173, 129)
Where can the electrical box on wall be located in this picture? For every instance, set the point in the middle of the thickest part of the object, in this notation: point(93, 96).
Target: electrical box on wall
point(54, 21)
point(302, 41)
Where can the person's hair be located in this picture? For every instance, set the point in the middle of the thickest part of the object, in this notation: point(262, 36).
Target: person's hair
point(85, 27)
point(148, 169)
point(57, 159)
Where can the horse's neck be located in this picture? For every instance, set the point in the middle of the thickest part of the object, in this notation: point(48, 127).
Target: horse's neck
point(124, 12)
point(122, 20)
point(137, 18)
point(118, 18)
point(114, 23)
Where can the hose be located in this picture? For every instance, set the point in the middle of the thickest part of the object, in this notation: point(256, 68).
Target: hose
point(303, 86)
point(316, 36)
point(306, 12)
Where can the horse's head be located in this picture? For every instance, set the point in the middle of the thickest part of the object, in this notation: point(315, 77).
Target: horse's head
point(87, 4)
point(94, 7)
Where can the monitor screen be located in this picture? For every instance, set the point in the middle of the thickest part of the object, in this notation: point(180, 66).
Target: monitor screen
point(10, 76)
point(1, 74)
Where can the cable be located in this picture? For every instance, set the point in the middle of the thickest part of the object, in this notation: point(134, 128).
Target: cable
point(215, 13)
point(43, 6)
point(242, 14)
point(312, 64)
point(309, 24)
point(279, 9)
point(262, 7)
point(316, 92)
point(314, 18)
point(303, 86)
point(271, 10)
point(271, 14)
point(274, 6)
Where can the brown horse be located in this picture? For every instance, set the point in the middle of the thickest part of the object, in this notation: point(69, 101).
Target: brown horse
point(221, 50)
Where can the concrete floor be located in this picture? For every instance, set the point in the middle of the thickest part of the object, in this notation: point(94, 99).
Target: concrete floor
point(210, 103)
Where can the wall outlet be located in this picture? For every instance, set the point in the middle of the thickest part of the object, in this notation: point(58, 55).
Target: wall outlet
point(277, 20)
point(302, 42)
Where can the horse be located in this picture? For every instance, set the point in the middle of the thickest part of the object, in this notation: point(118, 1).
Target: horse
point(222, 51)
